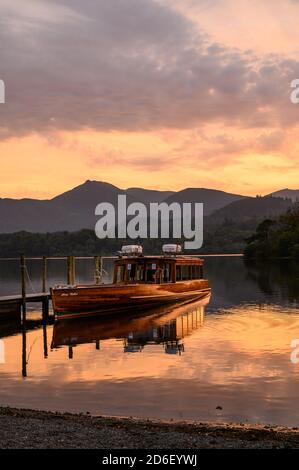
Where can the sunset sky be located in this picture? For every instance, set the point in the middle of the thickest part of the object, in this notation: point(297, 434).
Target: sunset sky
point(162, 94)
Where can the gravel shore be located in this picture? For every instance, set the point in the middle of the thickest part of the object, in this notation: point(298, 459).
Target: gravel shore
point(25, 429)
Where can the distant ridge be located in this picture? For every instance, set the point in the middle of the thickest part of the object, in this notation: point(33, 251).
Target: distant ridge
point(249, 209)
point(212, 199)
point(73, 210)
point(292, 194)
point(149, 195)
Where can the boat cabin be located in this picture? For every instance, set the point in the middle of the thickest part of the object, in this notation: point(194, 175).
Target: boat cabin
point(167, 268)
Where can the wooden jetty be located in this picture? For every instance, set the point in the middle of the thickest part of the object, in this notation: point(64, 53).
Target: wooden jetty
point(14, 306)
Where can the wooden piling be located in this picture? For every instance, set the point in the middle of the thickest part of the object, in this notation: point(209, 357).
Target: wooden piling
point(71, 270)
point(23, 282)
point(24, 350)
point(45, 303)
point(71, 354)
point(23, 313)
point(44, 275)
point(45, 308)
point(45, 339)
point(23, 287)
point(98, 269)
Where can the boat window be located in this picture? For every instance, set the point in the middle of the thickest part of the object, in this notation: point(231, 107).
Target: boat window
point(193, 272)
point(120, 276)
point(150, 272)
point(188, 272)
point(131, 272)
point(140, 272)
point(196, 272)
point(185, 273)
point(178, 273)
point(167, 272)
point(135, 272)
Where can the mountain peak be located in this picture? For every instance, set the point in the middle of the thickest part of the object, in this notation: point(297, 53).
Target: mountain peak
point(287, 193)
point(90, 183)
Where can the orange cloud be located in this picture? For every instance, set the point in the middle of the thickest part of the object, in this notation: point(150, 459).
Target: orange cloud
point(167, 97)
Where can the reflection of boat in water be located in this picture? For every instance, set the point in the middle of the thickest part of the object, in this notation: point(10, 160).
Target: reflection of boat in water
point(166, 326)
point(139, 282)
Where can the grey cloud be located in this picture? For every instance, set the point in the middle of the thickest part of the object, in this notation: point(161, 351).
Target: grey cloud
point(133, 65)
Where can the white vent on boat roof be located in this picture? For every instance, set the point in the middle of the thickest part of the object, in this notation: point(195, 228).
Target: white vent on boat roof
point(172, 249)
point(131, 250)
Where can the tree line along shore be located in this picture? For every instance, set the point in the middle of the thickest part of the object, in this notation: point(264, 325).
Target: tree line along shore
point(259, 239)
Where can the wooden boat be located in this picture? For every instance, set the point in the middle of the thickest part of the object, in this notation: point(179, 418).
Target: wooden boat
point(138, 282)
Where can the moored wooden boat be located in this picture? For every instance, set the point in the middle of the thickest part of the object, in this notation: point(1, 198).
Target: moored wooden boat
point(138, 282)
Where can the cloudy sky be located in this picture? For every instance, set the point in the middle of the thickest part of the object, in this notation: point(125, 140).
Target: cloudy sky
point(163, 94)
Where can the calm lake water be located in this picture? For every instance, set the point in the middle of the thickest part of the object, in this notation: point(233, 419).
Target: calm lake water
point(226, 359)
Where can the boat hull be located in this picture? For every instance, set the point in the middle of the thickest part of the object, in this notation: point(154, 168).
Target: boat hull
point(77, 301)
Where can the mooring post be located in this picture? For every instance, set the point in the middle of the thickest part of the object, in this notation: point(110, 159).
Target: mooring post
point(24, 350)
point(24, 339)
point(45, 307)
point(71, 354)
point(44, 276)
point(98, 344)
point(68, 270)
point(45, 339)
point(71, 270)
point(23, 285)
point(98, 269)
point(45, 303)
